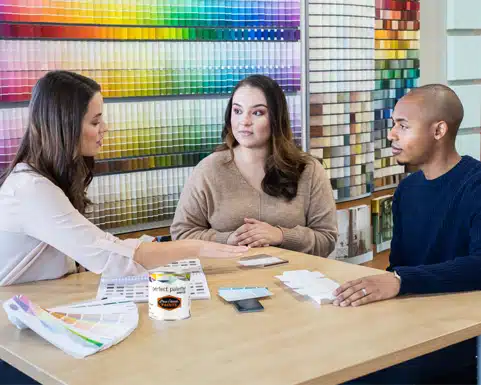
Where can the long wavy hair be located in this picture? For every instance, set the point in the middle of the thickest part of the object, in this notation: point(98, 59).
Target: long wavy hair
point(285, 162)
point(51, 143)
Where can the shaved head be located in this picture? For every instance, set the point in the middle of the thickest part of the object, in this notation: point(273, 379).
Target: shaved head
point(425, 123)
point(438, 102)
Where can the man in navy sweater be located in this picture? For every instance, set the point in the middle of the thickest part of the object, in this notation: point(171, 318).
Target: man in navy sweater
point(436, 245)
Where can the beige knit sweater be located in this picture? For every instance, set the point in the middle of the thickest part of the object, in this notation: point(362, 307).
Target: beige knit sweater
point(217, 198)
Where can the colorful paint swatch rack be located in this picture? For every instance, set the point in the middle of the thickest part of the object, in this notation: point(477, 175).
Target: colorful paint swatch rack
point(133, 69)
point(170, 65)
point(212, 13)
point(136, 198)
point(173, 63)
point(97, 32)
point(341, 81)
point(80, 329)
point(149, 134)
point(397, 71)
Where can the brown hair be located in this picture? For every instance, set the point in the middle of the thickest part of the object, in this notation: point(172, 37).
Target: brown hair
point(285, 162)
point(51, 143)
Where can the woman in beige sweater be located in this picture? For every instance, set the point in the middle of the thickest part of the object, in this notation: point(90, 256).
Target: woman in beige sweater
point(259, 189)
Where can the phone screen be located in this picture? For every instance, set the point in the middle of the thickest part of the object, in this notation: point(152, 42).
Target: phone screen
point(248, 305)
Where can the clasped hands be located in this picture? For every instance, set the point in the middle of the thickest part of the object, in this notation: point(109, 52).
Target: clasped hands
point(254, 233)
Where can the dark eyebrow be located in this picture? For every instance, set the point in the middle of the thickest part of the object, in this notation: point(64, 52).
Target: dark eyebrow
point(96, 116)
point(400, 120)
point(257, 105)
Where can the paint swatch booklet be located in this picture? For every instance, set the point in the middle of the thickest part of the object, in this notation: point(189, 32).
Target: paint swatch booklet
point(80, 329)
point(136, 288)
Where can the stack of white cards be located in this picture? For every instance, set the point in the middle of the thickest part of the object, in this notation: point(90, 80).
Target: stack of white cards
point(312, 284)
point(231, 294)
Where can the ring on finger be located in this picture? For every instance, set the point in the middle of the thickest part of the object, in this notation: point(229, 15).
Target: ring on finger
point(364, 292)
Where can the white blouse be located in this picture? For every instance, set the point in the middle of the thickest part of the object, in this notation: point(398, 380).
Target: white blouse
point(41, 234)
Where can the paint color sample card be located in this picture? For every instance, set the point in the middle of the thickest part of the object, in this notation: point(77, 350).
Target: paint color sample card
point(95, 307)
point(136, 288)
point(239, 293)
point(312, 284)
point(260, 261)
point(80, 330)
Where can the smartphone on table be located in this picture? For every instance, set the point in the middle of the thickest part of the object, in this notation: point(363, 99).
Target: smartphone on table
point(248, 305)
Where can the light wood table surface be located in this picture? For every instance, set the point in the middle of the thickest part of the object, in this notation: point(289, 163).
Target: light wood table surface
point(292, 341)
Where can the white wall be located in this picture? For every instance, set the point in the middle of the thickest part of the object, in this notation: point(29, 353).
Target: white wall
point(463, 14)
point(451, 54)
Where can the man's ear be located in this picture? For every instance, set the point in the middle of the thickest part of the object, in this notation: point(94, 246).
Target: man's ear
point(440, 130)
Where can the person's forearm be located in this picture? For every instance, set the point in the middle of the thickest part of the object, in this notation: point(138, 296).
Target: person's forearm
point(202, 234)
point(459, 274)
point(318, 242)
point(154, 254)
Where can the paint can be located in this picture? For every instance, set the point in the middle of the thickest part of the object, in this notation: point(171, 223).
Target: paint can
point(169, 296)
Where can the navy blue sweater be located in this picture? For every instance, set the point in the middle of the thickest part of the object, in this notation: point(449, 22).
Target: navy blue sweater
point(436, 245)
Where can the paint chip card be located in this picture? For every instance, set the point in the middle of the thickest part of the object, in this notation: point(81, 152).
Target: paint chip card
point(261, 260)
point(239, 293)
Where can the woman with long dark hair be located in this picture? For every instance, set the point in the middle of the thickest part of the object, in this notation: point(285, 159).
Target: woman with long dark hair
point(259, 189)
point(43, 194)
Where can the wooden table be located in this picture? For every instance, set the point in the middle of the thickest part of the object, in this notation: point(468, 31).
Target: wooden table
point(292, 342)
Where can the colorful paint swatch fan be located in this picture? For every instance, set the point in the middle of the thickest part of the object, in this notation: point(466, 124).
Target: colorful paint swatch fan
point(79, 330)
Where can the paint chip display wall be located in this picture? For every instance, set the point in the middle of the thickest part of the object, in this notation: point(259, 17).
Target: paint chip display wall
point(397, 71)
point(341, 85)
point(166, 69)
